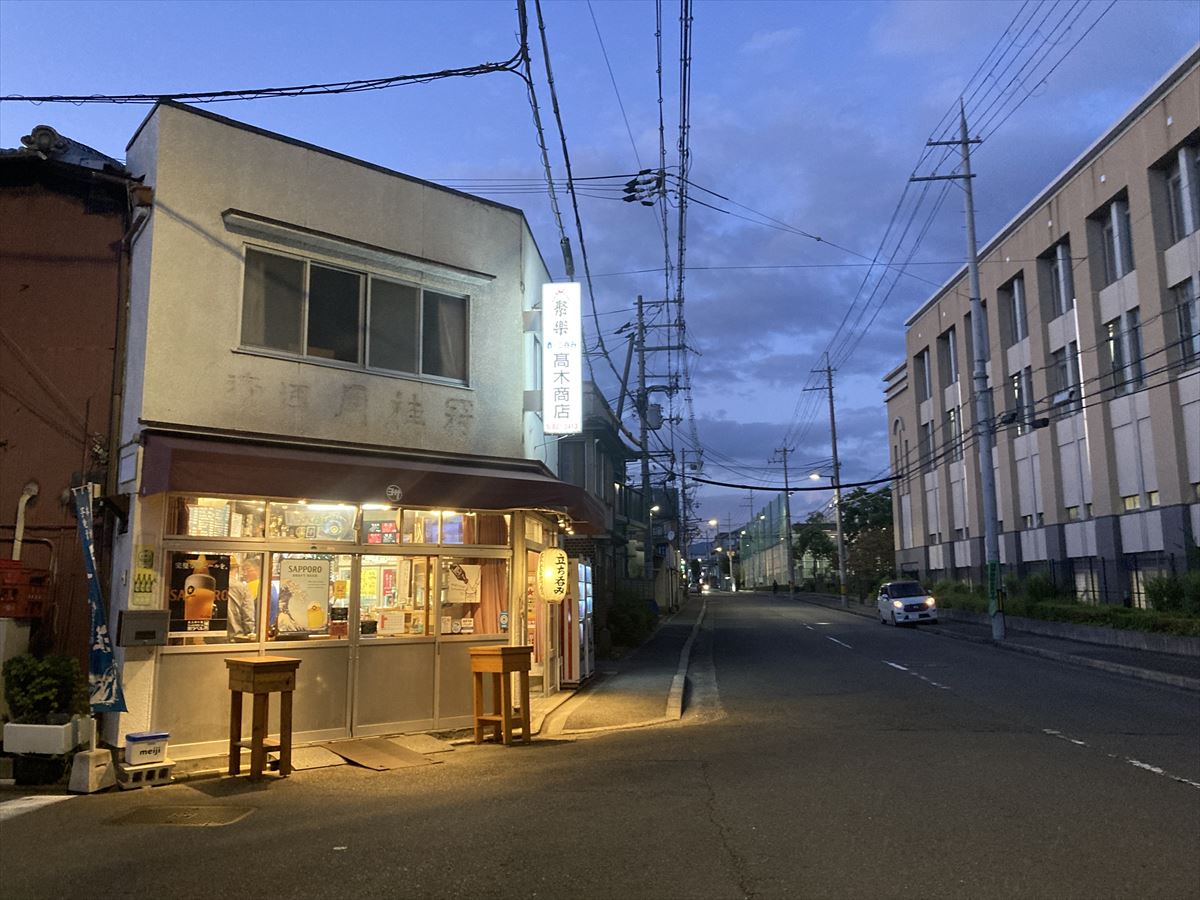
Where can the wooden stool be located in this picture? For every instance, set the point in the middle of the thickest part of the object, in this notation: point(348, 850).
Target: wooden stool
point(500, 662)
point(261, 676)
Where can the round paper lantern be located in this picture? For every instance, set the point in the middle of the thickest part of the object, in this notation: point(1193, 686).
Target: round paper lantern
point(553, 575)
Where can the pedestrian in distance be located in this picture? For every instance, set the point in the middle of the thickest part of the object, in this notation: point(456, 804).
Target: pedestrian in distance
point(774, 586)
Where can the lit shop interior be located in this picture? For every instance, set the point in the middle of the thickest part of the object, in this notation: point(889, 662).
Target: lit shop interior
point(380, 603)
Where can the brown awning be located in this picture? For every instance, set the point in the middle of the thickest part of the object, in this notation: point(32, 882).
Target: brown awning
point(201, 465)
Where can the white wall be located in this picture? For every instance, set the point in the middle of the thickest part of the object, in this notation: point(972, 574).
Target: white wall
point(194, 372)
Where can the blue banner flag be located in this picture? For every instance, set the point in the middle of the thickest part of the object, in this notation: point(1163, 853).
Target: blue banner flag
point(104, 681)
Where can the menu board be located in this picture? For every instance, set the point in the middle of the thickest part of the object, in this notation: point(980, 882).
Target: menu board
point(303, 596)
point(380, 526)
point(198, 597)
point(208, 521)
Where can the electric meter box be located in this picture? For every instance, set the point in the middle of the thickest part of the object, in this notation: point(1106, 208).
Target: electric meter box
point(143, 627)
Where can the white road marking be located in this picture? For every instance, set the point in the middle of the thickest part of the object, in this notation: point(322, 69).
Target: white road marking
point(928, 681)
point(1146, 767)
point(10, 809)
point(822, 623)
point(836, 641)
point(810, 628)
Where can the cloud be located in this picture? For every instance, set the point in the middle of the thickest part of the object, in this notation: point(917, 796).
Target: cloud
point(762, 41)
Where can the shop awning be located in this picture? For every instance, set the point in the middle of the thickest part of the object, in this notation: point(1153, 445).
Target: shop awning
point(202, 465)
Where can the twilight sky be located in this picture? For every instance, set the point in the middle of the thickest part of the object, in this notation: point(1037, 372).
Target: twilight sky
point(813, 114)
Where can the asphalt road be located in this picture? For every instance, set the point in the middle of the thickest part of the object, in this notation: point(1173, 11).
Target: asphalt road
point(821, 755)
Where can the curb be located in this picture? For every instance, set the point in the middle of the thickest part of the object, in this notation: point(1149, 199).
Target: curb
point(675, 696)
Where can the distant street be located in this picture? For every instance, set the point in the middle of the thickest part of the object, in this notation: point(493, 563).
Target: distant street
point(821, 755)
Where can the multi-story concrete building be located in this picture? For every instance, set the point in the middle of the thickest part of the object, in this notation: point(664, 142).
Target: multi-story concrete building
point(1093, 345)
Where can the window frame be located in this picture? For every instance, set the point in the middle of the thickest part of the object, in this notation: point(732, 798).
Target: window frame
point(366, 278)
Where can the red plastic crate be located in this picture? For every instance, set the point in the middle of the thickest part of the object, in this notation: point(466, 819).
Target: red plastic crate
point(23, 591)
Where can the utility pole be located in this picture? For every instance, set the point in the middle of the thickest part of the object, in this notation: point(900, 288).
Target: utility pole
point(837, 486)
point(729, 551)
point(643, 401)
point(787, 515)
point(983, 396)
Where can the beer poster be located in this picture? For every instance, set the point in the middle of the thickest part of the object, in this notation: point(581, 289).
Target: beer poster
point(303, 595)
point(199, 592)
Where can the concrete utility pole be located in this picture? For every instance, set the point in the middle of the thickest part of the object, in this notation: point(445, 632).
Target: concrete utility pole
point(787, 514)
point(983, 395)
point(837, 486)
point(643, 400)
point(729, 551)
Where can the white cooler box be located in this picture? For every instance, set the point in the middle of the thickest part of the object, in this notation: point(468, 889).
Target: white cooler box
point(145, 747)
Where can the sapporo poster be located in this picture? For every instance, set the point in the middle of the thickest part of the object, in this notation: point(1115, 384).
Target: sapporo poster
point(199, 592)
point(303, 595)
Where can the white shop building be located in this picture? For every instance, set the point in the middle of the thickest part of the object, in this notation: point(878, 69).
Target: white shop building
point(328, 441)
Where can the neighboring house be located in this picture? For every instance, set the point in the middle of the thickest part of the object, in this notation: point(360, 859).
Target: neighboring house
point(324, 439)
point(595, 460)
point(65, 213)
point(1093, 325)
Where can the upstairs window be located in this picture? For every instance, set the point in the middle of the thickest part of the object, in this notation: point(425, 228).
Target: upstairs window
point(922, 377)
point(1117, 243)
point(953, 426)
point(948, 358)
point(1182, 191)
point(304, 308)
point(1064, 379)
point(1062, 280)
point(1012, 308)
point(1022, 398)
point(1187, 312)
point(1123, 343)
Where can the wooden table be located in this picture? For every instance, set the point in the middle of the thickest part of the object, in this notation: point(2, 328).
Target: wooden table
point(261, 676)
point(500, 663)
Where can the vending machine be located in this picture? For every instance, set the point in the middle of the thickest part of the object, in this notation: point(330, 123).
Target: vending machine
point(578, 634)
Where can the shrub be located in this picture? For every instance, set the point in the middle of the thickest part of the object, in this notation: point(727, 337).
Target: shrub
point(1039, 589)
point(1191, 592)
point(38, 691)
point(629, 619)
point(1165, 593)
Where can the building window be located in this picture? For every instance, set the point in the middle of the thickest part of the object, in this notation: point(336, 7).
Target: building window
point(1182, 188)
point(1187, 311)
point(304, 308)
point(1131, 502)
point(1072, 513)
point(1152, 499)
point(954, 433)
point(1117, 246)
point(1065, 379)
point(1026, 521)
point(1013, 300)
point(1062, 279)
point(924, 381)
point(1123, 342)
point(926, 448)
point(1022, 398)
point(948, 358)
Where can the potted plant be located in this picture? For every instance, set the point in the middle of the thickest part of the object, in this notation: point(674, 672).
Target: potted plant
point(45, 698)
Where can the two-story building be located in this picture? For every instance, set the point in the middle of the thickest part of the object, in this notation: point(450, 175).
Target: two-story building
point(324, 435)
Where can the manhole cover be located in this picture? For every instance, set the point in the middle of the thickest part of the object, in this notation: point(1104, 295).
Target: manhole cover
point(184, 815)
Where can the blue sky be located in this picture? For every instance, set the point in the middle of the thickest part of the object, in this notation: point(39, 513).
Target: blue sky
point(811, 113)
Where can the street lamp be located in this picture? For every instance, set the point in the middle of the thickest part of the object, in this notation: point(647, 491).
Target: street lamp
point(841, 540)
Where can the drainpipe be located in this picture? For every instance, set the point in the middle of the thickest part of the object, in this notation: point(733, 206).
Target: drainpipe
point(27, 493)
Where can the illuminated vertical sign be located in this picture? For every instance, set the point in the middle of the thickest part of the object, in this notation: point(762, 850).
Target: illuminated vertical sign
point(562, 359)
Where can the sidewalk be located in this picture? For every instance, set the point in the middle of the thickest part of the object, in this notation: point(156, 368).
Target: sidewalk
point(644, 688)
point(1164, 668)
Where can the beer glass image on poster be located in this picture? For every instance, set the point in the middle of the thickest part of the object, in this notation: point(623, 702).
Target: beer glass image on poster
point(199, 593)
point(303, 596)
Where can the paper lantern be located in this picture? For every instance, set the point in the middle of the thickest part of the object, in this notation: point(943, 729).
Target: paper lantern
point(553, 575)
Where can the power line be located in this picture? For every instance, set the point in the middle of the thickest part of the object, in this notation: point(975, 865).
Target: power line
point(512, 64)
